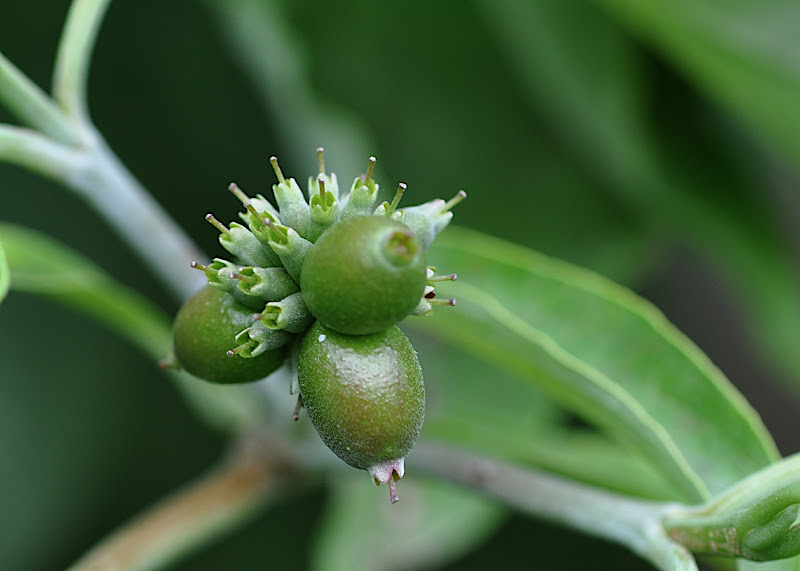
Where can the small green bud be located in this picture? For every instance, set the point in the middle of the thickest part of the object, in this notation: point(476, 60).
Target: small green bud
point(258, 339)
point(362, 194)
point(292, 204)
point(261, 207)
point(330, 182)
point(242, 243)
point(265, 284)
point(290, 247)
point(218, 273)
point(324, 210)
point(289, 314)
point(427, 220)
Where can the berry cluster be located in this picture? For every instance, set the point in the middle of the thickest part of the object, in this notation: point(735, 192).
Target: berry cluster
point(332, 275)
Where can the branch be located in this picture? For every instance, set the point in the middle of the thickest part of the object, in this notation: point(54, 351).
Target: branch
point(74, 55)
point(28, 103)
point(94, 172)
point(631, 522)
point(186, 520)
point(37, 152)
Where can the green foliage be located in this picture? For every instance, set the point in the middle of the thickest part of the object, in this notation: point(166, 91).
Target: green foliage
point(606, 354)
point(610, 134)
point(44, 266)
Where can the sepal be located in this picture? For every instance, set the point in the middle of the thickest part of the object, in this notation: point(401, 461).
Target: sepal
point(430, 218)
point(289, 314)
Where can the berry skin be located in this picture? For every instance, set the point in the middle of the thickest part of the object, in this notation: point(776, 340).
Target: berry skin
point(364, 395)
point(205, 330)
point(364, 274)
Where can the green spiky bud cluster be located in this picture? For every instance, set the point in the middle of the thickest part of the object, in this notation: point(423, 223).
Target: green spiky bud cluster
point(333, 273)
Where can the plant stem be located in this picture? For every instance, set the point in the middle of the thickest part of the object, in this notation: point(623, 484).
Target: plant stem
point(32, 106)
point(74, 54)
point(189, 518)
point(69, 149)
point(38, 153)
point(631, 522)
point(96, 173)
point(132, 211)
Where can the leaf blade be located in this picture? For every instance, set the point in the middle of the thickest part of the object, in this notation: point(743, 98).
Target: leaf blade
point(741, 53)
point(557, 334)
point(40, 265)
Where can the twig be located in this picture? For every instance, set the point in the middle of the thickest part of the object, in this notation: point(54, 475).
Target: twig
point(32, 106)
point(631, 522)
point(74, 55)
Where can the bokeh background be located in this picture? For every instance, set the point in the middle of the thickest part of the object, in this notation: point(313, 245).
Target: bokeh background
point(657, 143)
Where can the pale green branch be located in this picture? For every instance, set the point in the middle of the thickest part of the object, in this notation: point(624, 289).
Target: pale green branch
point(133, 213)
point(628, 521)
point(95, 173)
point(32, 150)
point(74, 55)
point(28, 103)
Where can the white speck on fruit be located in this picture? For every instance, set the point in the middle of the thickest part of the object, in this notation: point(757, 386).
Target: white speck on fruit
point(322, 338)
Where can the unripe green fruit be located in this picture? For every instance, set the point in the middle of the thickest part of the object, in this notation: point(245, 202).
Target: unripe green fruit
point(364, 395)
point(205, 330)
point(364, 274)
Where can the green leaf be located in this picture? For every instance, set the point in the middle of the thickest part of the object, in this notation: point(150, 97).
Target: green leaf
point(4, 273)
point(599, 350)
point(432, 523)
point(678, 165)
point(524, 426)
point(41, 265)
point(742, 53)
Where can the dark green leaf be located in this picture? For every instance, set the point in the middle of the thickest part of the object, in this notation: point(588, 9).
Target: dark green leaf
point(742, 53)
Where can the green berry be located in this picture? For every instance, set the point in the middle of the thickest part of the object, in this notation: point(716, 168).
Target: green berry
point(205, 331)
point(364, 395)
point(364, 274)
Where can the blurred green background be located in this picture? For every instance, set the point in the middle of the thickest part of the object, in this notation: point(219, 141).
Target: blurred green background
point(657, 143)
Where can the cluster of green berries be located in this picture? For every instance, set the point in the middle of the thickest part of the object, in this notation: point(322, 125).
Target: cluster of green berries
point(325, 281)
